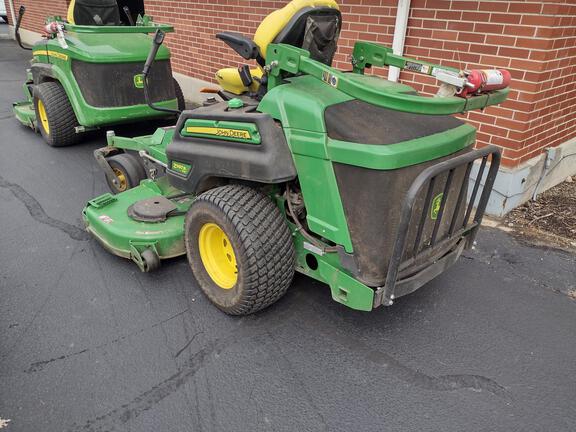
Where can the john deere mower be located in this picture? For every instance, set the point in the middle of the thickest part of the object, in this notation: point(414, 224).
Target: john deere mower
point(86, 73)
point(353, 180)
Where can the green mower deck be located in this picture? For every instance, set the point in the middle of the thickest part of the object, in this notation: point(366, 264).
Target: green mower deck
point(127, 237)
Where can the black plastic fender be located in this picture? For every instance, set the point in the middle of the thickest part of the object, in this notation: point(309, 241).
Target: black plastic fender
point(269, 162)
point(41, 71)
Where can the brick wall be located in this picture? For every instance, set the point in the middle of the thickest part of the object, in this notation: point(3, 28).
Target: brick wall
point(536, 40)
point(37, 11)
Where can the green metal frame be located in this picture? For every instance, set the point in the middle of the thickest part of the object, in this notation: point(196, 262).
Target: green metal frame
point(286, 58)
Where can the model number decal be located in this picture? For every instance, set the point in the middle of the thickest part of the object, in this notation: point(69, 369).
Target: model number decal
point(221, 132)
point(180, 167)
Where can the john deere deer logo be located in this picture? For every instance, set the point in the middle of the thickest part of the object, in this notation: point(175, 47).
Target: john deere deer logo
point(435, 207)
point(139, 81)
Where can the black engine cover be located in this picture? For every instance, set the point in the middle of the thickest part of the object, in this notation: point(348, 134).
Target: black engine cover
point(269, 162)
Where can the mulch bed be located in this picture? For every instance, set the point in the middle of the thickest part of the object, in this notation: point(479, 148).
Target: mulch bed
point(553, 212)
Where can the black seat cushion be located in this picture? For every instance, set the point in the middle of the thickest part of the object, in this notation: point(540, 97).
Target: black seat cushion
point(96, 12)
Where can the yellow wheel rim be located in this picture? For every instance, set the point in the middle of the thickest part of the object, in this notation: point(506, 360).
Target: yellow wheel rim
point(218, 256)
point(43, 116)
point(122, 183)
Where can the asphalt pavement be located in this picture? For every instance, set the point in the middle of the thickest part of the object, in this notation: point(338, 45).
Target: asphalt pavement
point(88, 343)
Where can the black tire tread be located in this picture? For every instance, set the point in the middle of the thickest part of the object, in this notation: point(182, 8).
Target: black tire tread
point(265, 241)
point(60, 114)
point(132, 168)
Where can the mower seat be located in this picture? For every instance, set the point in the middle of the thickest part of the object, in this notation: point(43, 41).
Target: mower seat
point(229, 79)
point(93, 12)
point(313, 25)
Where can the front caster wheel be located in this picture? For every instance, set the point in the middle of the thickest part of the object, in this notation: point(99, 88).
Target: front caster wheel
point(239, 248)
point(129, 172)
point(150, 259)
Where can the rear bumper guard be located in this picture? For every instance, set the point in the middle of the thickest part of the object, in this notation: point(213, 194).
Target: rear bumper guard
point(439, 252)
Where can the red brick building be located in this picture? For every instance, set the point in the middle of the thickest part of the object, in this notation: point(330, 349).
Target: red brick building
point(535, 40)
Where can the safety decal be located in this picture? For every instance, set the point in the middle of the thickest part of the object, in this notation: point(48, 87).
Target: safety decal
point(106, 219)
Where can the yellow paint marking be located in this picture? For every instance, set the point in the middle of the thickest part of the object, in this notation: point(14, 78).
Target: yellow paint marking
point(57, 55)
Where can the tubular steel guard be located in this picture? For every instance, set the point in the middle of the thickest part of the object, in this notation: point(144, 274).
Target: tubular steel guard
point(386, 294)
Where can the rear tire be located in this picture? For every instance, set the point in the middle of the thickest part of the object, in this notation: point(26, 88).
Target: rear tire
point(256, 241)
point(179, 96)
point(128, 169)
point(54, 115)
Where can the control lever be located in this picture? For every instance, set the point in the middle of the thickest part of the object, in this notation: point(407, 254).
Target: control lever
point(17, 28)
point(156, 42)
point(245, 75)
point(126, 10)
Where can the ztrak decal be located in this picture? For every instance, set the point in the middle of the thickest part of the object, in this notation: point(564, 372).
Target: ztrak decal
point(57, 55)
point(180, 167)
point(435, 207)
point(139, 81)
point(330, 79)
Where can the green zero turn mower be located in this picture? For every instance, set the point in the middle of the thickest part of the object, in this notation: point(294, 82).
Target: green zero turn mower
point(87, 73)
point(354, 180)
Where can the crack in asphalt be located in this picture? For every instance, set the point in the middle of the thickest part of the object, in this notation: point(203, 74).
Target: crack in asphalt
point(406, 373)
point(37, 212)
point(144, 401)
point(39, 365)
point(187, 344)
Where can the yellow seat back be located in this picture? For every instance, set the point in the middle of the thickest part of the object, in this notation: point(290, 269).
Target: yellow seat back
point(274, 23)
point(70, 16)
point(268, 30)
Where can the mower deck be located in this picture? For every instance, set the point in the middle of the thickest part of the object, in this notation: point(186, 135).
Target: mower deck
point(24, 112)
point(107, 218)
